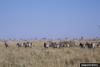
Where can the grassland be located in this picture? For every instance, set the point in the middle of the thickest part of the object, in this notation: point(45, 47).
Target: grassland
point(37, 56)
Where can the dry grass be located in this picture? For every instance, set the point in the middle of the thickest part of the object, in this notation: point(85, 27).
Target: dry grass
point(37, 56)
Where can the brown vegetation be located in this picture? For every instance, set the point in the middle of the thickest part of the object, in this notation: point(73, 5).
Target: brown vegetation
point(38, 56)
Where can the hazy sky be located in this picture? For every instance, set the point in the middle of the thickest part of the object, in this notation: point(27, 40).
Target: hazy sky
point(49, 18)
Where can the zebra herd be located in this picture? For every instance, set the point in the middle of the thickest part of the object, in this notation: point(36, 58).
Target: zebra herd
point(89, 45)
point(55, 45)
point(60, 44)
point(24, 44)
point(70, 44)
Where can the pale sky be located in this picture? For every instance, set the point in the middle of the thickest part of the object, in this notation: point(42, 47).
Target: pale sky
point(49, 18)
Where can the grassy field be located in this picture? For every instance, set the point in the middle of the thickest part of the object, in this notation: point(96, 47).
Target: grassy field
point(37, 56)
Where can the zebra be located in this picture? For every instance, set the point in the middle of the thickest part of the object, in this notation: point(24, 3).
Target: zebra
point(6, 45)
point(46, 45)
point(82, 45)
point(89, 45)
point(19, 45)
point(28, 44)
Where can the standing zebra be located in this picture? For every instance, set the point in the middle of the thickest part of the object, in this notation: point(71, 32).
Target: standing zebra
point(46, 45)
point(6, 45)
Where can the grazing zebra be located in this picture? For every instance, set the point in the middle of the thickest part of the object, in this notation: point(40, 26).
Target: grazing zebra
point(24, 44)
point(89, 45)
point(62, 44)
point(19, 45)
point(55, 45)
point(29, 44)
point(51, 44)
point(82, 45)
